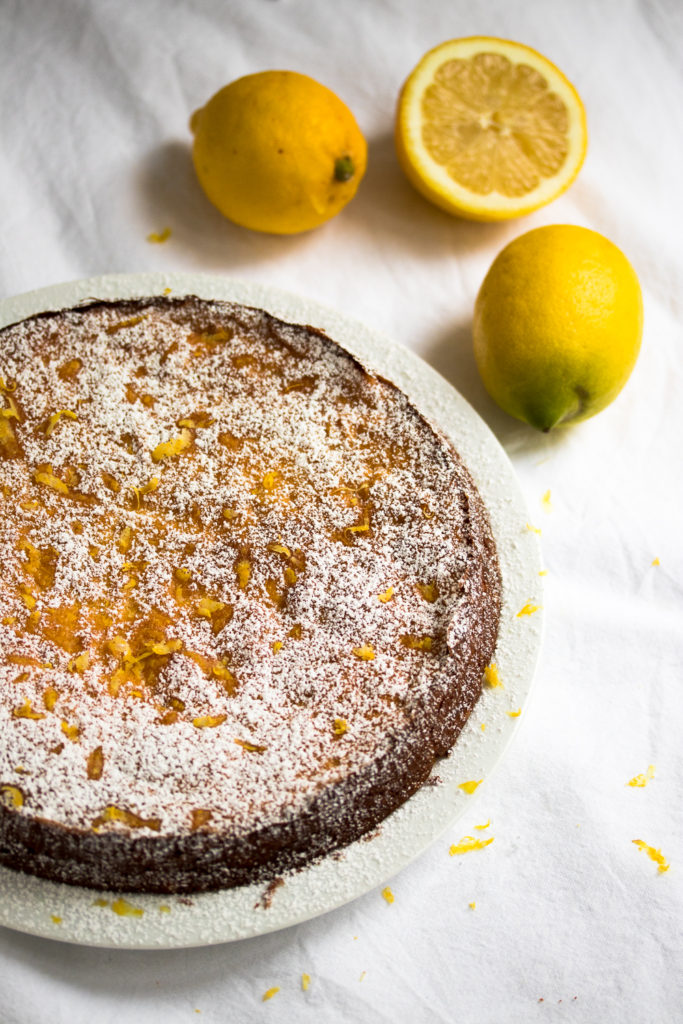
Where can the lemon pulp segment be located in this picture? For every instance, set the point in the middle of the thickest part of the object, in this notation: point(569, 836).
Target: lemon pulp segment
point(489, 129)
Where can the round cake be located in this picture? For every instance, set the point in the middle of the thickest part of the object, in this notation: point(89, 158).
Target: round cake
point(247, 599)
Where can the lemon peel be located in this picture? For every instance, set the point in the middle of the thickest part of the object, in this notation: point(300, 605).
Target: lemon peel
point(467, 844)
point(470, 787)
point(278, 152)
point(557, 326)
point(159, 237)
point(653, 854)
point(492, 676)
point(642, 780)
point(528, 609)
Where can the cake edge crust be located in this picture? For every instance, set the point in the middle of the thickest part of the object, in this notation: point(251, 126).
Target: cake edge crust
point(342, 813)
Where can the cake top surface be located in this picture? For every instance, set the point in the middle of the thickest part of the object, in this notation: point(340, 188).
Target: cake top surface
point(234, 564)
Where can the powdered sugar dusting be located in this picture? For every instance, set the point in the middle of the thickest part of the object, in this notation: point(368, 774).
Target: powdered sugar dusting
point(194, 558)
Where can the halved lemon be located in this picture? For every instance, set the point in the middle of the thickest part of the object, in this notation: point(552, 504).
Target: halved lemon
point(489, 129)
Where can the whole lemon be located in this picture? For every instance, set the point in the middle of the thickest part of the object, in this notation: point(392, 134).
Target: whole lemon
point(557, 325)
point(277, 151)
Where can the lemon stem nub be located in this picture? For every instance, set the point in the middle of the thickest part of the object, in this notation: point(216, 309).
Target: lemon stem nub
point(344, 169)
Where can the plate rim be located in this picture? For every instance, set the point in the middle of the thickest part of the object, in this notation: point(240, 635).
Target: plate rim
point(232, 914)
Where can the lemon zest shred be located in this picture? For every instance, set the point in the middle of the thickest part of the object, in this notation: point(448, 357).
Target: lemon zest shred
point(533, 529)
point(252, 748)
point(492, 677)
point(206, 607)
point(482, 827)
point(167, 647)
point(132, 322)
point(547, 504)
point(386, 596)
point(26, 711)
point(80, 662)
point(388, 895)
point(208, 721)
point(653, 854)
point(12, 410)
point(468, 843)
point(365, 652)
point(270, 993)
point(48, 478)
point(169, 449)
point(125, 909)
point(280, 549)
point(416, 643)
point(528, 609)
point(159, 237)
point(305, 981)
point(471, 786)
point(655, 561)
point(340, 726)
point(514, 714)
point(642, 779)
point(150, 486)
point(72, 732)
point(243, 570)
point(56, 417)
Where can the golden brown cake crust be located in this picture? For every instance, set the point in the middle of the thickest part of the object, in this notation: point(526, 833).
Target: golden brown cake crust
point(247, 600)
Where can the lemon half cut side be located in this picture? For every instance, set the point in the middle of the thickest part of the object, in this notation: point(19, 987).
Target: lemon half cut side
point(489, 129)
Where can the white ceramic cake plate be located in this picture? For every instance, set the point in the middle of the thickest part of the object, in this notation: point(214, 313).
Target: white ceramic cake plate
point(71, 913)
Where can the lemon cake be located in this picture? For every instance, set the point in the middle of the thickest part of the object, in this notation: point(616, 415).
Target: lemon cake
point(247, 599)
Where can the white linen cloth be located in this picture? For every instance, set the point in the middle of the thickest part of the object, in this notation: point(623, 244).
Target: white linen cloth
point(572, 921)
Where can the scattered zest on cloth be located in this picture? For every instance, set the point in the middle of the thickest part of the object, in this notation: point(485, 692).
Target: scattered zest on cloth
point(388, 895)
point(468, 843)
point(655, 855)
point(642, 779)
point(157, 237)
point(270, 993)
point(305, 981)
